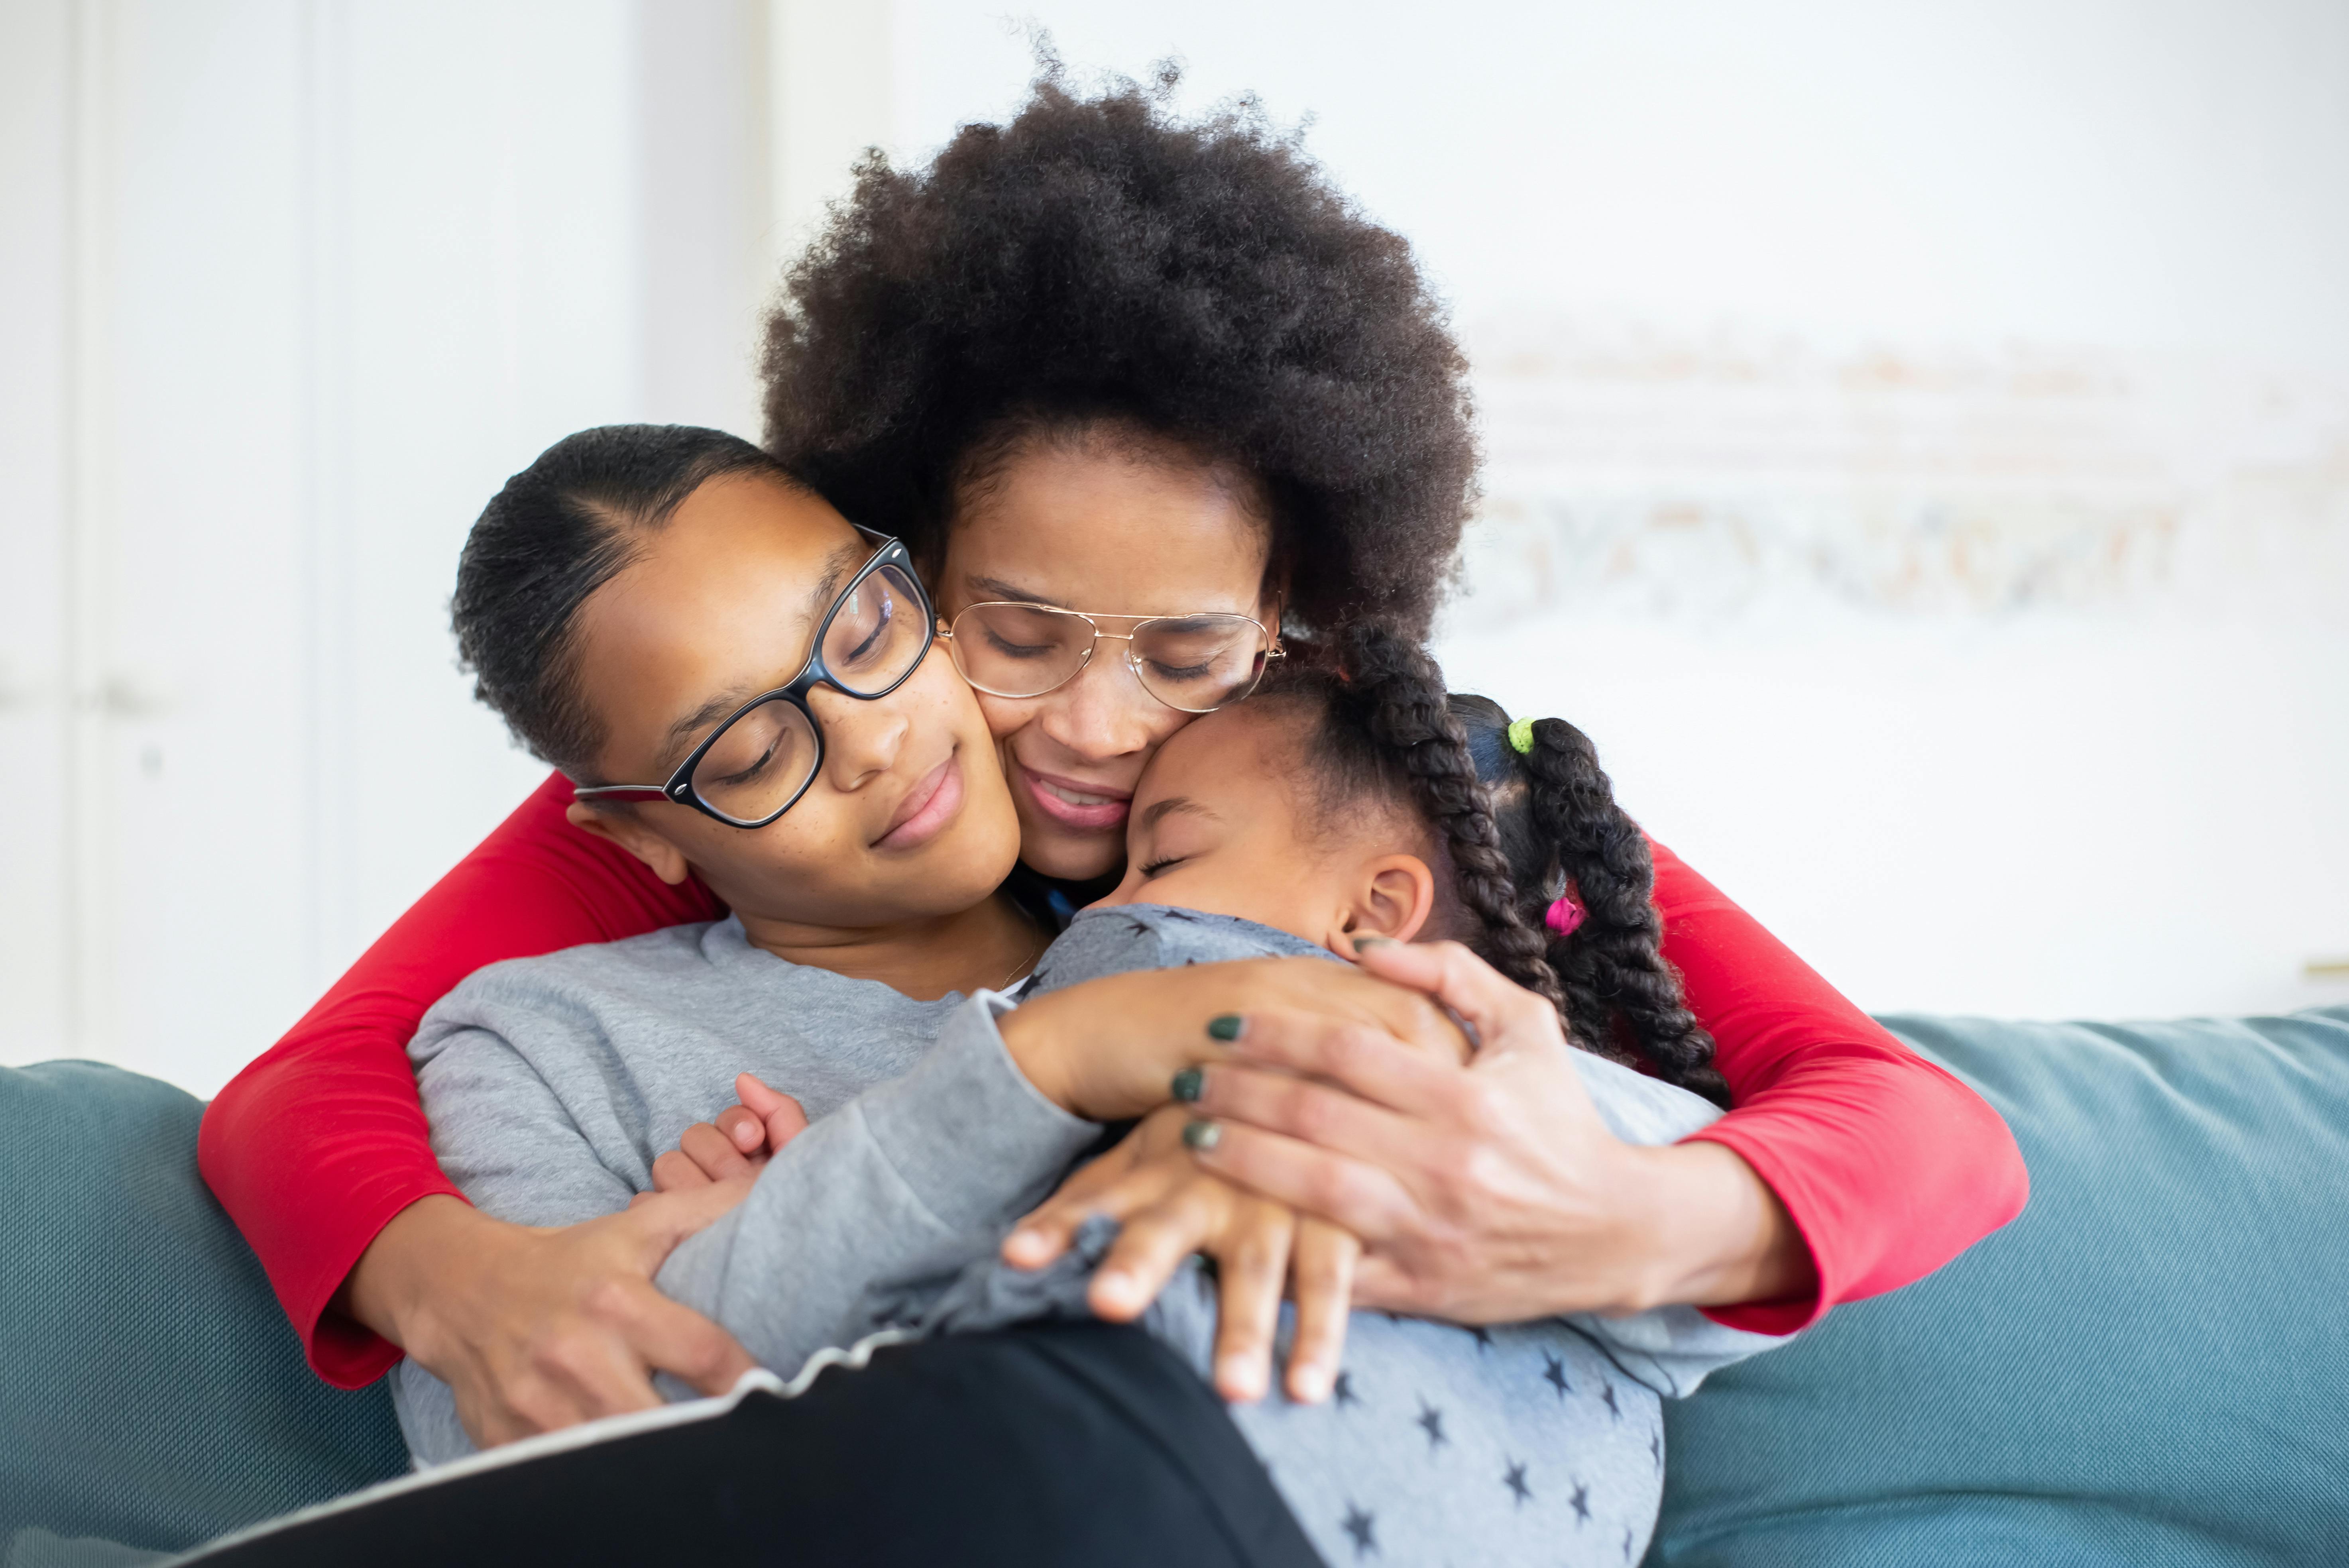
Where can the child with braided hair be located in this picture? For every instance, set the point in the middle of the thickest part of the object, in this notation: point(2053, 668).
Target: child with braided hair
point(1356, 800)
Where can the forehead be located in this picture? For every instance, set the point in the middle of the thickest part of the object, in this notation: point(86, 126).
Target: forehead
point(723, 597)
point(1234, 758)
point(1107, 527)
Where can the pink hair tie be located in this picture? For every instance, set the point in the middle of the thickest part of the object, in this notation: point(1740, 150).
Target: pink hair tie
point(1564, 916)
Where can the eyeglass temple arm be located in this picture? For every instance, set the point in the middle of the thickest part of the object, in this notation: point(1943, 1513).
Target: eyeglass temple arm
point(618, 792)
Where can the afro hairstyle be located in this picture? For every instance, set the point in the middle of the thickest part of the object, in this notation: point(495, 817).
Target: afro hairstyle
point(1099, 261)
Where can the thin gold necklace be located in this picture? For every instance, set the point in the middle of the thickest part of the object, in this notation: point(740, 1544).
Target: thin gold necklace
point(1028, 963)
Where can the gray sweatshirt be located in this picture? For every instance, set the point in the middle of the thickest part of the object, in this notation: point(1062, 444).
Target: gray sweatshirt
point(552, 1083)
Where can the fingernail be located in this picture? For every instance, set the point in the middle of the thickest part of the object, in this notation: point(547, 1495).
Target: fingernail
point(1226, 1027)
point(1364, 943)
point(1203, 1136)
point(1312, 1385)
point(1188, 1084)
point(1236, 1375)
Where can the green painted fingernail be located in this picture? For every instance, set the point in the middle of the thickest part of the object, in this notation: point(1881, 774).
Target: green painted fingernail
point(1203, 1136)
point(1226, 1026)
point(1364, 943)
point(1187, 1085)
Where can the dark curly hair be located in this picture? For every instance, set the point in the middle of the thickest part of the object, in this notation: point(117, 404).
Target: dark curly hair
point(1519, 828)
point(1096, 263)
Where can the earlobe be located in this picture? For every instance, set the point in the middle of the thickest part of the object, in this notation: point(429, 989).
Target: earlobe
point(629, 832)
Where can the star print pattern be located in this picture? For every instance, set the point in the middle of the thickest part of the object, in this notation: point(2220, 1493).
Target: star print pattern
point(1363, 1530)
point(1427, 1421)
point(1431, 1421)
point(1445, 1444)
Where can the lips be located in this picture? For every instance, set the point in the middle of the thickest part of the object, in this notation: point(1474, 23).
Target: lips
point(927, 807)
point(1087, 808)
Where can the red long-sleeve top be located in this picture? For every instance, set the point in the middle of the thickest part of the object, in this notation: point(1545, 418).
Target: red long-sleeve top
point(1889, 1166)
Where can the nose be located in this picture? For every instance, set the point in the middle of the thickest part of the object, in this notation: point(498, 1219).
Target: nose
point(861, 739)
point(1104, 712)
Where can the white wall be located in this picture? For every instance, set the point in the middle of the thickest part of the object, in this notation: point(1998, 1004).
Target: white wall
point(1919, 435)
point(297, 283)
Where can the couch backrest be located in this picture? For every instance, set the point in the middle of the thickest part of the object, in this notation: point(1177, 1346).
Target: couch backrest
point(2149, 1366)
point(151, 1391)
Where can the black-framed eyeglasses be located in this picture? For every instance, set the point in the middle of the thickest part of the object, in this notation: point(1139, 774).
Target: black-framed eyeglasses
point(1194, 664)
point(760, 761)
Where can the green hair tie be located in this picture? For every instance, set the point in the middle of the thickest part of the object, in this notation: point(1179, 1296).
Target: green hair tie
point(1521, 737)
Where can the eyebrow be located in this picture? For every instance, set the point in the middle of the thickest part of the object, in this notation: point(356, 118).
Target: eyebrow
point(997, 588)
point(836, 567)
point(1158, 811)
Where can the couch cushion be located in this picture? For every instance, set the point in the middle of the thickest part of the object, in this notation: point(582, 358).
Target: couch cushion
point(151, 1391)
point(2149, 1366)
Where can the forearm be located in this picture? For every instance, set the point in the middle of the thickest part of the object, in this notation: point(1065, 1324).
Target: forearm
point(856, 1221)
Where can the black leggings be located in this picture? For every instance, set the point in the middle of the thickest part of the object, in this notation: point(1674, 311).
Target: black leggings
point(1059, 1443)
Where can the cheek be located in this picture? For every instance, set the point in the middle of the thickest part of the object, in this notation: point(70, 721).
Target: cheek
point(1006, 717)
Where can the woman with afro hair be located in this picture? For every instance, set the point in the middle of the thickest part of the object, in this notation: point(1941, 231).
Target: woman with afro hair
point(1111, 374)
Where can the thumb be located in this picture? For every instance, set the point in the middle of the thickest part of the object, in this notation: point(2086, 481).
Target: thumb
point(1496, 1007)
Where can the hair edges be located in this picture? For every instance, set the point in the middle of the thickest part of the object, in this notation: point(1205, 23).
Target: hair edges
point(1614, 961)
point(1406, 709)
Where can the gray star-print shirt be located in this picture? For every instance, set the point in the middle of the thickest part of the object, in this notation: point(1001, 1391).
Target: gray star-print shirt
point(553, 1082)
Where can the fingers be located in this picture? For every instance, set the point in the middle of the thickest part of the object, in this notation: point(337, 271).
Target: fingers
point(1310, 1112)
point(673, 1172)
point(1322, 1282)
point(1251, 1268)
point(780, 1116)
point(1351, 1195)
point(1048, 1232)
point(1493, 1005)
point(1363, 1060)
point(715, 1153)
point(675, 1339)
point(657, 1226)
point(1154, 1243)
point(742, 1129)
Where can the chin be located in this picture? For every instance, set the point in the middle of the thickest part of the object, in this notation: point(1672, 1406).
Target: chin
point(1051, 850)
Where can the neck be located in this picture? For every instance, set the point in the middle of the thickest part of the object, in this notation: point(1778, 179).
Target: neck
point(986, 946)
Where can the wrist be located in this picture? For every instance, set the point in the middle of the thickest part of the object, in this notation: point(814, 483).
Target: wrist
point(1029, 1036)
point(406, 1269)
point(1715, 1234)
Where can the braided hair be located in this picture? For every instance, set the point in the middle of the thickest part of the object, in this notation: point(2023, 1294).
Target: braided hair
point(1520, 829)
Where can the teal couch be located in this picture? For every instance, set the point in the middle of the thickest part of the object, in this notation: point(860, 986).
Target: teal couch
point(2150, 1366)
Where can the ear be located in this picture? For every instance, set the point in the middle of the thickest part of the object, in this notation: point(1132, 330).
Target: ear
point(632, 833)
point(1392, 897)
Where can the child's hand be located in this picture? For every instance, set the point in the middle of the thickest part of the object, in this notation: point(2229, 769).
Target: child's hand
point(736, 1142)
point(1170, 1208)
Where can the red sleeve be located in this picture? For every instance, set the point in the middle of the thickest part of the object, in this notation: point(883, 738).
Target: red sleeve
point(1889, 1166)
point(316, 1146)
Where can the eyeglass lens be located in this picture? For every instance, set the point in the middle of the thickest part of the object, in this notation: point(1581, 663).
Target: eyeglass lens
point(1195, 662)
point(761, 761)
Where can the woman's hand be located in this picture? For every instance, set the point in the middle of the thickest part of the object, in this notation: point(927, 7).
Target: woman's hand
point(735, 1143)
point(533, 1328)
point(1105, 1049)
point(1168, 1209)
point(1489, 1192)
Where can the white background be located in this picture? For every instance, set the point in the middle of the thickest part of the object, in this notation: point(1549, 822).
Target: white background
point(288, 286)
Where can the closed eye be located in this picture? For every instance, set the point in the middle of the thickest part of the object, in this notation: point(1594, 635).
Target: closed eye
point(1158, 868)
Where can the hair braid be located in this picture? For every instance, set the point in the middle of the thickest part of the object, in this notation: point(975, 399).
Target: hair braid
point(1613, 964)
point(1402, 703)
